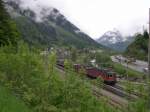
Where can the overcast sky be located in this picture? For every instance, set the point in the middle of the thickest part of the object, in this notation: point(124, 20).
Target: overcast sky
point(95, 17)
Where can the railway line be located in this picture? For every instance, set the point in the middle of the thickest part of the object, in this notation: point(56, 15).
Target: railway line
point(134, 93)
point(116, 95)
point(115, 99)
point(120, 92)
point(112, 99)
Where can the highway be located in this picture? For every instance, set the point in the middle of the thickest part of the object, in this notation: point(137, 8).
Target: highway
point(137, 66)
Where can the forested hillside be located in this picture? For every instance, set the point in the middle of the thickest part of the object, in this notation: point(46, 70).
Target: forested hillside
point(52, 29)
point(139, 48)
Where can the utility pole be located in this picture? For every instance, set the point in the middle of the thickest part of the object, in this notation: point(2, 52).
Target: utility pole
point(149, 63)
point(149, 48)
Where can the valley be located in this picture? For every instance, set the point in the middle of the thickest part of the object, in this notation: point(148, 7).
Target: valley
point(51, 61)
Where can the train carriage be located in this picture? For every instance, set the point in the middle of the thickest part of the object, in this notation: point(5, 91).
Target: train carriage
point(107, 75)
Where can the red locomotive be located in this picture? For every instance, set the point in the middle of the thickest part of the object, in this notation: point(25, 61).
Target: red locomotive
point(107, 76)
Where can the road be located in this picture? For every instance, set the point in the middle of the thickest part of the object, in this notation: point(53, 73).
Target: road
point(137, 66)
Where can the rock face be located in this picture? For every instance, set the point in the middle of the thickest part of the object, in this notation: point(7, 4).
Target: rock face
point(47, 27)
point(114, 40)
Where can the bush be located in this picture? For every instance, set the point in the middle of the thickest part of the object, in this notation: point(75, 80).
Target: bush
point(103, 60)
point(24, 73)
point(138, 106)
point(8, 102)
point(121, 70)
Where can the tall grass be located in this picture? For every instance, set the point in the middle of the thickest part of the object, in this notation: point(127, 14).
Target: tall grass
point(10, 103)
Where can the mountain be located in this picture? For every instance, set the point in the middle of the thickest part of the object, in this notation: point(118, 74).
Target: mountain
point(114, 40)
point(47, 27)
point(139, 48)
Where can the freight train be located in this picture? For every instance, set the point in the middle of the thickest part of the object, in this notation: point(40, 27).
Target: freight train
point(106, 75)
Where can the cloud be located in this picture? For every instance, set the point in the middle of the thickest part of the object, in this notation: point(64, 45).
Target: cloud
point(41, 8)
point(98, 16)
point(95, 17)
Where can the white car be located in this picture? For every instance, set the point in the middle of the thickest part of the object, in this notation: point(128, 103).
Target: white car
point(145, 70)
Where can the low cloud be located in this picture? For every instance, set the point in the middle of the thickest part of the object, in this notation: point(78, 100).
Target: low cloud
point(95, 17)
point(39, 7)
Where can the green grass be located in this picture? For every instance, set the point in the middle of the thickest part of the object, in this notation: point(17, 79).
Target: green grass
point(126, 71)
point(9, 103)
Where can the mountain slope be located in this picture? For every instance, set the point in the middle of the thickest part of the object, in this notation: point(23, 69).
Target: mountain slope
point(139, 48)
point(52, 28)
point(114, 40)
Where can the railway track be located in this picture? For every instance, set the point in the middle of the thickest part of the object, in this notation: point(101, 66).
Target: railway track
point(115, 98)
point(120, 92)
point(134, 93)
point(116, 89)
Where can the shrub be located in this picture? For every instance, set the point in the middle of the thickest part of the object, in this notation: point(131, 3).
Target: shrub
point(24, 73)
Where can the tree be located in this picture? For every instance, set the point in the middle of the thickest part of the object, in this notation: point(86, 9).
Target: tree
point(73, 54)
point(139, 48)
point(8, 30)
point(52, 59)
point(82, 72)
point(103, 59)
point(67, 66)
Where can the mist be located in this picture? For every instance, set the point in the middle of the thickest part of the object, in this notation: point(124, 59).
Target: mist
point(95, 17)
point(40, 8)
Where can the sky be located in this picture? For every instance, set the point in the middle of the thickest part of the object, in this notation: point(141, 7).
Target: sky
point(95, 17)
